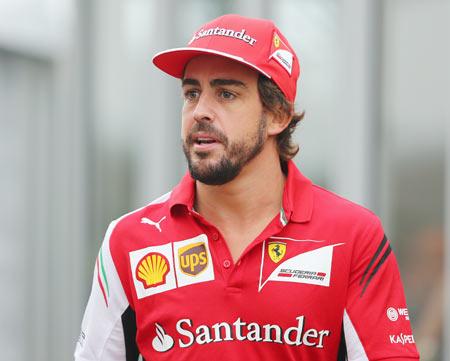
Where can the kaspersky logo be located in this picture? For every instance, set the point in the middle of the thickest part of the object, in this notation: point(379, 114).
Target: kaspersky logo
point(189, 334)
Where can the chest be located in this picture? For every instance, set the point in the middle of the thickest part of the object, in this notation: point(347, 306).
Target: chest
point(239, 235)
point(276, 295)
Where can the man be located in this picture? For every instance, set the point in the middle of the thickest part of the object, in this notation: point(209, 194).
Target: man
point(245, 258)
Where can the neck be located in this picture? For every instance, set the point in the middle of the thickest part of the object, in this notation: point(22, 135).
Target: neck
point(256, 192)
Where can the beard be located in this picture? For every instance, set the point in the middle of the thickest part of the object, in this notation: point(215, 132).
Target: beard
point(230, 164)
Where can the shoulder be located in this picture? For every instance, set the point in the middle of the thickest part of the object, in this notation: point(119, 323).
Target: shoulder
point(129, 222)
point(333, 207)
point(347, 222)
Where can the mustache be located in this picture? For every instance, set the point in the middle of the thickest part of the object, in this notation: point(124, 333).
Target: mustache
point(204, 126)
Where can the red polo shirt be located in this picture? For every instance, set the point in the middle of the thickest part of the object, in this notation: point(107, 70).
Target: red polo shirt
point(319, 283)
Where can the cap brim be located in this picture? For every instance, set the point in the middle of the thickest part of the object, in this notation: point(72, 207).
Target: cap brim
point(173, 61)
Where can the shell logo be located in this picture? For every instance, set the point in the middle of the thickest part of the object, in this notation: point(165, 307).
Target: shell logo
point(152, 270)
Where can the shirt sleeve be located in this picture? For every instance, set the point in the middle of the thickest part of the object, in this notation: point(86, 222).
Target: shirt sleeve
point(376, 320)
point(108, 328)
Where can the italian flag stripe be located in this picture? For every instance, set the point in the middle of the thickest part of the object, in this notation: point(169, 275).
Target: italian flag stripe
point(103, 272)
point(101, 283)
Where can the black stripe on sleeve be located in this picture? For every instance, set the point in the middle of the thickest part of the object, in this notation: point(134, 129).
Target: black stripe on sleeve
point(374, 258)
point(377, 267)
point(342, 353)
point(129, 333)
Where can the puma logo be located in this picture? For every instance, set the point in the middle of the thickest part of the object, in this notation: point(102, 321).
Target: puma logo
point(155, 224)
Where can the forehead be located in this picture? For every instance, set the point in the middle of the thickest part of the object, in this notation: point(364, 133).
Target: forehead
point(217, 67)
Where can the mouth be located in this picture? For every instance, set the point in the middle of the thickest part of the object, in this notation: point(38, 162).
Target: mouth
point(201, 141)
point(204, 142)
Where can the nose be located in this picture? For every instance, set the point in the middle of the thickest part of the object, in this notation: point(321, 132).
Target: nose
point(204, 109)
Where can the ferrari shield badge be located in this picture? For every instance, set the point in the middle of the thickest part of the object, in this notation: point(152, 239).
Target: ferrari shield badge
point(277, 251)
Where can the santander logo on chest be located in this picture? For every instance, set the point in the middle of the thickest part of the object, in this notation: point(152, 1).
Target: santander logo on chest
point(283, 260)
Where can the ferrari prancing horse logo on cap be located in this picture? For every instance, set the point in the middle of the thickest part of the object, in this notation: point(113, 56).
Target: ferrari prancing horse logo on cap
point(281, 53)
point(277, 251)
point(276, 40)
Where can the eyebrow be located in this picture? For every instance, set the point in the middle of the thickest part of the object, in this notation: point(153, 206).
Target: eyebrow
point(214, 82)
point(189, 81)
point(221, 82)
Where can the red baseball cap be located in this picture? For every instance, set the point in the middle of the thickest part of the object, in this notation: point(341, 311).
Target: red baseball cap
point(257, 43)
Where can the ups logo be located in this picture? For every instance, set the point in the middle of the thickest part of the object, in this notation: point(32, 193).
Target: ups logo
point(193, 258)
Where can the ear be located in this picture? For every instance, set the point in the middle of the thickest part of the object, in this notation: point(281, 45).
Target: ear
point(277, 122)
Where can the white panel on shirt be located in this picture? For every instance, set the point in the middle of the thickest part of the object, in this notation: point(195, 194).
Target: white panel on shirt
point(101, 330)
point(355, 349)
point(102, 337)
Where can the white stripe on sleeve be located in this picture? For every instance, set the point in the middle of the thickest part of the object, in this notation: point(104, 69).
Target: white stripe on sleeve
point(355, 349)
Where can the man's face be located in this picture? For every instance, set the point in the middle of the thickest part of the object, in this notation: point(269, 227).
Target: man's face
point(223, 125)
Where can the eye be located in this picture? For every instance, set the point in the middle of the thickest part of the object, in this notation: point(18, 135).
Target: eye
point(191, 94)
point(227, 95)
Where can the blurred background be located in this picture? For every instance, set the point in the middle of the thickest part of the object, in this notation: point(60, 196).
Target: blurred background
point(89, 130)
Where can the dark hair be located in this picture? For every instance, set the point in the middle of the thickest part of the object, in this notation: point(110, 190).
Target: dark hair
point(274, 101)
